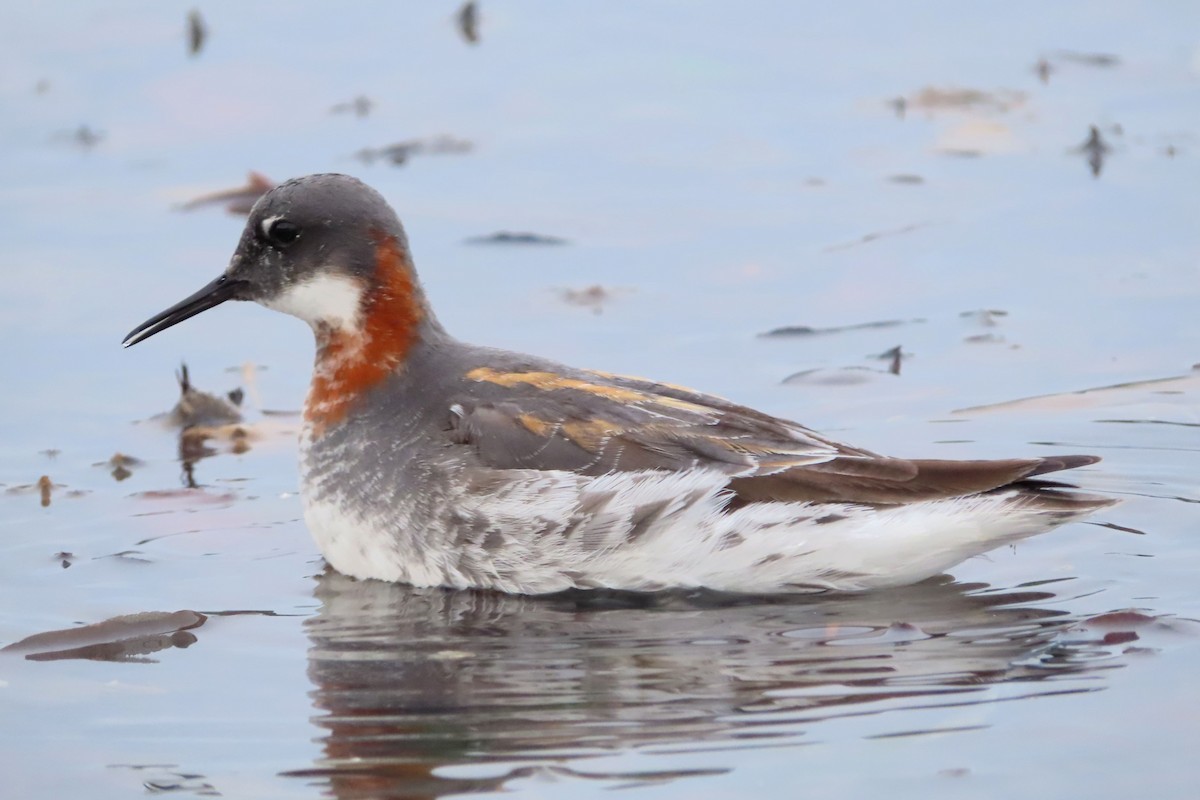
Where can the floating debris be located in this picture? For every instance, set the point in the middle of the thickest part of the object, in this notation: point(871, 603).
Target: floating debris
point(83, 137)
point(400, 152)
point(64, 558)
point(594, 297)
point(192, 495)
point(165, 780)
point(1148, 422)
point(805, 330)
point(984, 338)
point(894, 356)
point(44, 488)
point(121, 465)
point(197, 32)
point(360, 106)
point(210, 424)
point(1121, 626)
point(974, 136)
point(467, 19)
point(239, 200)
point(50, 453)
point(1096, 150)
point(985, 316)
point(249, 374)
point(871, 237)
point(1114, 526)
point(511, 237)
point(911, 180)
point(190, 783)
point(1101, 60)
point(1099, 396)
point(1127, 619)
point(194, 446)
point(197, 408)
point(899, 105)
point(1043, 70)
point(841, 376)
point(123, 638)
point(237, 436)
point(131, 556)
point(932, 99)
point(196, 443)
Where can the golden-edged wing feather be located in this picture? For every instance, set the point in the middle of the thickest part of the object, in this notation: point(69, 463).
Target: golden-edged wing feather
point(594, 423)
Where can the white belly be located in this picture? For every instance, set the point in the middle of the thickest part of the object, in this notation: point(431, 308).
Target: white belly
point(541, 532)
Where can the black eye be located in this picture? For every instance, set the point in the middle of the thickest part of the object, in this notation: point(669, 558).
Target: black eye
point(280, 232)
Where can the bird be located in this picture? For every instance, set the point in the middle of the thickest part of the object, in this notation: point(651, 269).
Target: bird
point(430, 461)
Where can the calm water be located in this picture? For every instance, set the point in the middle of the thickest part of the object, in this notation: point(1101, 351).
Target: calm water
point(718, 172)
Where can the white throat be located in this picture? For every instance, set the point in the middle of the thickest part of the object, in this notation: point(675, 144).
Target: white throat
point(327, 300)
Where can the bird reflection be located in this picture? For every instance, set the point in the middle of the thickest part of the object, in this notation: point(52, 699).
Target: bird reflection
point(412, 682)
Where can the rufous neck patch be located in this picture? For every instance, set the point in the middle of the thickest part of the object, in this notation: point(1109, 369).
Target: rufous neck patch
point(351, 360)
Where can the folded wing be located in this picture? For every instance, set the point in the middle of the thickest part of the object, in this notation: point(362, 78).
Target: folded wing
point(596, 423)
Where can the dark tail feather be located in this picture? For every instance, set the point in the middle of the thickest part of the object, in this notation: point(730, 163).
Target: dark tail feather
point(1059, 463)
point(885, 481)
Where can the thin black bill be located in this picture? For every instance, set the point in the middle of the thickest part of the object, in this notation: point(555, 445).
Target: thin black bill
point(215, 293)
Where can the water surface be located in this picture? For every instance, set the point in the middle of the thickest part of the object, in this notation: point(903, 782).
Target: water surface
point(716, 173)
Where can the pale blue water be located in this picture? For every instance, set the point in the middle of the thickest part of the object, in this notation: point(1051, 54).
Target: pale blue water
point(715, 168)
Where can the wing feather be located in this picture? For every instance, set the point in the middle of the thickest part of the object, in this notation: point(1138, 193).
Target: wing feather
point(568, 425)
point(595, 424)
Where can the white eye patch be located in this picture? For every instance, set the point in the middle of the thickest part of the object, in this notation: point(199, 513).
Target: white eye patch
point(279, 232)
point(265, 225)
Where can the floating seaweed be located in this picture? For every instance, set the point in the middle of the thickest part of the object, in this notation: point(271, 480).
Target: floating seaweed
point(197, 32)
point(125, 638)
point(1096, 149)
point(1101, 60)
point(511, 237)
point(467, 20)
point(894, 357)
point(594, 297)
point(239, 200)
point(867, 238)
point(805, 330)
point(196, 408)
point(360, 106)
point(84, 137)
point(400, 152)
